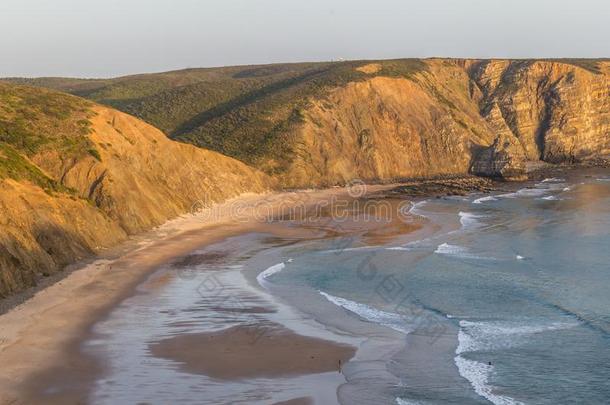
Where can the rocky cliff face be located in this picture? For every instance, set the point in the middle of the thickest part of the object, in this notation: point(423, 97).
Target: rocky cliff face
point(327, 123)
point(75, 176)
point(484, 117)
point(42, 233)
point(378, 129)
point(142, 178)
point(556, 111)
point(66, 202)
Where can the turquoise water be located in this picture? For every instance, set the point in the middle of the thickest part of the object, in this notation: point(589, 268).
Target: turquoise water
point(507, 304)
point(497, 299)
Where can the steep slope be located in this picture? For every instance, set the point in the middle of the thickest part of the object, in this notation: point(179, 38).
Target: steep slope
point(41, 233)
point(452, 118)
point(142, 178)
point(389, 128)
point(555, 111)
point(324, 124)
point(246, 112)
point(76, 177)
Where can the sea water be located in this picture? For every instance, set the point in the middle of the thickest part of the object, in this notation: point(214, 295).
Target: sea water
point(510, 306)
point(500, 299)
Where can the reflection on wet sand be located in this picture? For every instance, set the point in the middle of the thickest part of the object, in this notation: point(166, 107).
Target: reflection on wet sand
point(253, 351)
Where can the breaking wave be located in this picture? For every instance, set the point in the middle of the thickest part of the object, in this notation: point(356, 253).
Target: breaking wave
point(489, 336)
point(470, 220)
point(370, 314)
point(264, 275)
point(485, 199)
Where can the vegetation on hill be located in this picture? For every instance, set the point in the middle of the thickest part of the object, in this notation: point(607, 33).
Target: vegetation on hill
point(34, 122)
point(592, 65)
point(76, 177)
point(15, 166)
point(255, 126)
point(244, 112)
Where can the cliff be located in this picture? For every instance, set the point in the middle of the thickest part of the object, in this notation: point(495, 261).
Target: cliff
point(327, 123)
point(76, 177)
point(456, 117)
point(557, 112)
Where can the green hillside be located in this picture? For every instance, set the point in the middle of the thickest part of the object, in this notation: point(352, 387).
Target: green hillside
point(244, 112)
point(36, 123)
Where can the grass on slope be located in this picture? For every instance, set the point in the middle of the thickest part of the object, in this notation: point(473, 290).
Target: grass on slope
point(35, 123)
point(245, 112)
point(15, 166)
point(255, 126)
point(166, 100)
point(592, 65)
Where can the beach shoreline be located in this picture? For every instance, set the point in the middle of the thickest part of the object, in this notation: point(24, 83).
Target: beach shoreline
point(48, 328)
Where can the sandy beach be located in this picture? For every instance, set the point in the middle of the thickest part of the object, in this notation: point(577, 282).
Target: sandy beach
point(143, 301)
point(276, 203)
point(39, 339)
point(264, 350)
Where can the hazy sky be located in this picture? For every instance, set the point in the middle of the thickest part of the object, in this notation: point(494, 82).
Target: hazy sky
point(114, 37)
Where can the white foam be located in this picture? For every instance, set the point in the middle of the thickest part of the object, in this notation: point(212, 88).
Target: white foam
point(477, 336)
point(447, 249)
point(553, 186)
point(553, 180)
point(415, 245)
point(551, 198)
point(470, 220)
point(485, 199)
point(349, 249)
point(264, 275)
point(519, 257)
point(387, 319)
point(526, 192)
point(532, 192)
point(604, 179)
point(489, 336)
point(478, 375)
point(416, 208)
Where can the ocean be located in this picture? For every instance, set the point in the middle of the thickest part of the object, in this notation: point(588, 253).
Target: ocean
point(499, 298)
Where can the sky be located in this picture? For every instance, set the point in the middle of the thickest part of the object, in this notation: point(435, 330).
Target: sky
point(106, 38)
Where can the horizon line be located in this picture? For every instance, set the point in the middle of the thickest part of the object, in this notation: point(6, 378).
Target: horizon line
point(339, 60)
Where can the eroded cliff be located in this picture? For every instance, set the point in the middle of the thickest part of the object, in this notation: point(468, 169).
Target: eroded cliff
point(83, 176)
point(326, 123)
point(557, 112)
point(77, 177)
point(457, 117)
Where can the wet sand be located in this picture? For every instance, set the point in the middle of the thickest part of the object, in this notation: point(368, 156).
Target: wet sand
point(40, 353)
point(296, 401)
point(253, 351)
point(40, 341)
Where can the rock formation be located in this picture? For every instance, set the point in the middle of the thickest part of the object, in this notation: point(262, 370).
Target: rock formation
point(59, 204)
point(323, 124)
point(305, 125)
